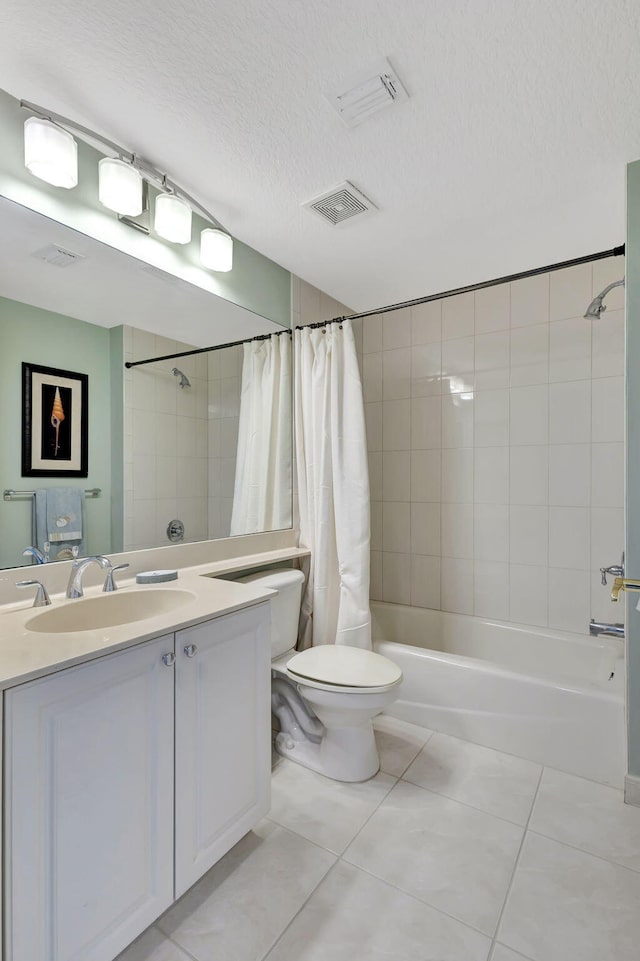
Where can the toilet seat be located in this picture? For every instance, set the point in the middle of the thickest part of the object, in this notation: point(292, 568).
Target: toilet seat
point(340, 668)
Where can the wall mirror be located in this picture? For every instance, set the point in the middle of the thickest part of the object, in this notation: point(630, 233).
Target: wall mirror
point(207, 444)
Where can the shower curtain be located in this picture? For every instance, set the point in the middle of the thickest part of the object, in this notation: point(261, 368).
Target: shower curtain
point(333, 487)
point(263, 481)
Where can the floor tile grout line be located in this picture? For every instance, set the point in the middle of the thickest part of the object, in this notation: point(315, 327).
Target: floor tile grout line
point(574, 847)
point(192, 957)
point(517, 861)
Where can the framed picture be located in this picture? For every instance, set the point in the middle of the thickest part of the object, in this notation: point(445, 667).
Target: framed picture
point(55, 406)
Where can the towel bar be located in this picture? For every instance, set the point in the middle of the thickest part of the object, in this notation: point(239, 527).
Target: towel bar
point(10, 494)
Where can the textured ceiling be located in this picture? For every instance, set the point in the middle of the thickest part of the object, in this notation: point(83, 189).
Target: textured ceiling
point(509, 154)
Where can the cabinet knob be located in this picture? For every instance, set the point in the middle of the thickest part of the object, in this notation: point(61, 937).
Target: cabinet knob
point(191, 650)
point(169, 659)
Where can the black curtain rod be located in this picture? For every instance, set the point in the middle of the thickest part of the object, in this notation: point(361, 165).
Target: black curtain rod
point(509, 278)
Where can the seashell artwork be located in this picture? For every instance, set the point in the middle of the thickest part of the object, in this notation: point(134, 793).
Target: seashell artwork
point(57, 416)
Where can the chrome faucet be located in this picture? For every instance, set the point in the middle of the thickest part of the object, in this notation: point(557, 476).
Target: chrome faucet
point(616, 570)
point(609, 630)
point(37, 555)
point(42, 598)
point(74, 587)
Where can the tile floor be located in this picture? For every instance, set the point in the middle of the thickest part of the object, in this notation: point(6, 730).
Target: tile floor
point(453, 852)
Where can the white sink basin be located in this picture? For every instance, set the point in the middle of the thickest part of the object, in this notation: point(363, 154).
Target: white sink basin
point(107, 610)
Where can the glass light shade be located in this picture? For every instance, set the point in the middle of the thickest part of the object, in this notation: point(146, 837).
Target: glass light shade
point(120, 187)
point(172, 219)
point(216, 250)
point(50, 153)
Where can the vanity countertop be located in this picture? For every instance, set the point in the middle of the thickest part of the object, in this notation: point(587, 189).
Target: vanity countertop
point(27, 654)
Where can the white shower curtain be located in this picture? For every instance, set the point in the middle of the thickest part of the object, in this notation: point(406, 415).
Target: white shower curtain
point(333, 487)
point(263, 481)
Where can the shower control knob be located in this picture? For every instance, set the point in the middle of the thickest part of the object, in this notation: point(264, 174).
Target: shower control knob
point(169, 659)
point(191, 650)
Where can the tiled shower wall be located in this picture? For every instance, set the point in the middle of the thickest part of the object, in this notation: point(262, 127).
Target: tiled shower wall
point(495, 426)
point(225, 372)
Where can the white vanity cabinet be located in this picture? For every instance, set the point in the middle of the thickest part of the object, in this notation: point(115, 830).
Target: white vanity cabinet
point(126, 778)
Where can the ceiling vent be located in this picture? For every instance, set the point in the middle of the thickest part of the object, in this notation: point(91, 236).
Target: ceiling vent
point(57, 256)
point(341, 204)
point(368, 94)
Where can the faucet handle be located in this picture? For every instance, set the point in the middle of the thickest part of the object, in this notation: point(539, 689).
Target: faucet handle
point(109, 583)
point(42, 598)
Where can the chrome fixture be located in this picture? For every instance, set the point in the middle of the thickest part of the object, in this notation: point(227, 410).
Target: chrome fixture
point(184, 380)
point(169, 659)
point(175, 531)
point(51, 154)
point(38, 556)
point(42, 598)
point(9, 494)
point(191, 650)
point(74, 587)
point(596, 307)
point(109, 583)
point(609, 630)
point(616, 570)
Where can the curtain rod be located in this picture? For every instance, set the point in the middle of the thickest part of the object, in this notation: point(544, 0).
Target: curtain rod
point(470, 288)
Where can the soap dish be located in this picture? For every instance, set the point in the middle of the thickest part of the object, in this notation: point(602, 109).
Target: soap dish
point(156, 577)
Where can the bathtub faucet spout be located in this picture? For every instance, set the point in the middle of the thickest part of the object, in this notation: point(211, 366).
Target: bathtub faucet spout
point(609, 630)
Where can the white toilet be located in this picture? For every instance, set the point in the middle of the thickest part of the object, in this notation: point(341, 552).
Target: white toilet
point(325, 698)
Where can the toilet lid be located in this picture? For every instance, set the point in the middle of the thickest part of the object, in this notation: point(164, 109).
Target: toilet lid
point(344, 666)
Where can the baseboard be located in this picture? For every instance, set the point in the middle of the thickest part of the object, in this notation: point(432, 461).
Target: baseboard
point(632, 790)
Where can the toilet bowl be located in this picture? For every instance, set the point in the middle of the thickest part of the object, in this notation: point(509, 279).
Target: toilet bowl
point(325, 698)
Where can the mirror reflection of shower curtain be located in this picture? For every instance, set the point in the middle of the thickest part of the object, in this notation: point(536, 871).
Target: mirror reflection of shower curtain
point(333, 487)
point(263, 481)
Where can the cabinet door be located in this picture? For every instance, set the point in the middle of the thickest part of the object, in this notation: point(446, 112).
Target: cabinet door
point(223, 737)
point(89, 806)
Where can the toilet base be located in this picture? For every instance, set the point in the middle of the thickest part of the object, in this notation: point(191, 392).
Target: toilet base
point(344, 754)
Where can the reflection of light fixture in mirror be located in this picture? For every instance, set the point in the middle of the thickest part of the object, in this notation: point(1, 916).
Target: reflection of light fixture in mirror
point(172, 219)
point(216, 250)
point(120, 186)
point(50, 153)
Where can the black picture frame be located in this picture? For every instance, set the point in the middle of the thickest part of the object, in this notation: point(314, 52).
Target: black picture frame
point(55, 427)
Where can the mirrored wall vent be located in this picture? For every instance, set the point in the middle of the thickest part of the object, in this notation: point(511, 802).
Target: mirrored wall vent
point(57, 256)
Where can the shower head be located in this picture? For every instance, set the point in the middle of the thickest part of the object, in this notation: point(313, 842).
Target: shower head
point(596, 307)
point(184, 380)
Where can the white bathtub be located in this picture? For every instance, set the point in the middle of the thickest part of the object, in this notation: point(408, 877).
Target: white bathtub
point(549, 696)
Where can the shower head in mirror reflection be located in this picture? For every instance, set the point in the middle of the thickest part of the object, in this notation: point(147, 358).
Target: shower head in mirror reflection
point(597, 307)
point(184, 380)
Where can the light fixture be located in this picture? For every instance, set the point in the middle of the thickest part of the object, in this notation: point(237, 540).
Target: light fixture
point(172, 219)
point(120, 187)
point(216, 250)
point(50, 153)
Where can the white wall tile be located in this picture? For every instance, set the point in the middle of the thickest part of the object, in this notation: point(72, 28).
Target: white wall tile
point(569, 537)
point(426, 423)
point(456, 585)
point(375, 514)
point(372, 334)
point(457, 530)
point(529, 475)
point(491, 422)
point(458, 316)
point(426, 369)
point(492, 360)
point(491, 532)
point(607, 536)
point(396, 329)
point(601, 606)
point(529, 355)
point(425, 529)
point(528, 602)
point(570, 475)
point(457, 421)
point(458, 365)
point(606, 272)
point(570, 349)
point(491, 590)
point(607, 344)
point(607, 410)
point(457, 475)
point(570, 412)
point(607, 475)
point(425, 475)
point(375, 475)
point(529, 535)
point(426, 323)
point(396, 425)
point(569, 600)
point(530, 301)
point(529, 415)
point(372, 377)
point(425, 581)
point(375, 576)
point(396, 578)
point(492, 307)
point(396, 373)
point(373, 425)
point(396, 526)
point(396, 475)
point(569, 291)
point(491, 475)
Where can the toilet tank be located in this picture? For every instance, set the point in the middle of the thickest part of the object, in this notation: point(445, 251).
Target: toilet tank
point(285, 608)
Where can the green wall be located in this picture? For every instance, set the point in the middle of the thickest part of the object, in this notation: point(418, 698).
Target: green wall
point(633, 459)
point(53, 340)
